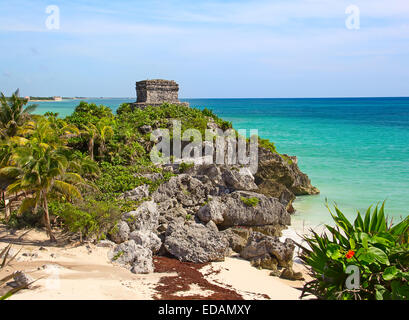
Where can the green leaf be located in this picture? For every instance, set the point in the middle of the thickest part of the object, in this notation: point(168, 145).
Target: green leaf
point(359, 223)
point(381, 221)
point(381, 240)
point(374, 220)
point(352, 244)
point(367, 220)
point(363, 256)
point(334, 251)
point(379, 255)
point(390, 273)
point(379, 291)
point(364, 239)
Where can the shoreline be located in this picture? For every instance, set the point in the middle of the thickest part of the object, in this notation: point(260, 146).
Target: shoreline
point(83, 271)
point(70, 99)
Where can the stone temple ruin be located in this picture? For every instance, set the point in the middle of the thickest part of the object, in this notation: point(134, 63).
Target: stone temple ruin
point(156, 92)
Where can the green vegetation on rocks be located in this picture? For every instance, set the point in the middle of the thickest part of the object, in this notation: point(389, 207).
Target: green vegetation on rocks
point(250, 202)
point(79, 166)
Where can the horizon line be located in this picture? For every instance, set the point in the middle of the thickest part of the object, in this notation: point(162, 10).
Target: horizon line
point(241, 98)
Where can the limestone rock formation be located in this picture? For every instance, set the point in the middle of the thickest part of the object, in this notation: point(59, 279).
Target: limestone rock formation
point(231, 210)
point(260, 246)
point(136, 239)
point(187, 190)
point(146, 239)
point(132, 256)
point(144, 218)
point(120, 233)
point(194, 242)
point(279, 176)
point(137, 194)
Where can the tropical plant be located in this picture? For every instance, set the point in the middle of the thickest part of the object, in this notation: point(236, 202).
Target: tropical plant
point(41, 169)
point(13, 114)
point(377, 248)
point(100, 133)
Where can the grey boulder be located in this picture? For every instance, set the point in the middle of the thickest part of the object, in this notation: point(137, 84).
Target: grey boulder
point(145, 217)
point(137, 194)
point(230, 210)
point(187, 190)
point(132, 256)
point(121, 232)
point(239, 179)
point(146, 239)
point(260, 245)
point(194, 242)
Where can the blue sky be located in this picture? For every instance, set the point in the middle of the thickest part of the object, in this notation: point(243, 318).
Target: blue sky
point(221, 49)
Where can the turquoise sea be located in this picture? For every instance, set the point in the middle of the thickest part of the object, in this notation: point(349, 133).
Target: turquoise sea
point(355, 150)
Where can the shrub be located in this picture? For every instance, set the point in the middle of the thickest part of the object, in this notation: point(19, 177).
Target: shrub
point(183, 167)
point(266, 144)
point(86, 113)
point(116, 179)
point(380, 251)
point(25, 220)
point(250, 202)
point(91, 218)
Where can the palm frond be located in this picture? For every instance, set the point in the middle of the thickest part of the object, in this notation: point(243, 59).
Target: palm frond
point(67, 189)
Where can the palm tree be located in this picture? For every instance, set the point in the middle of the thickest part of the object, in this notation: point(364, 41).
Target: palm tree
point(63, 130)
point(100, 132)
point(42, 169)
point(50, 133)
point(84, 165)
point(13, 114)
point(13, 117)
point(6, 160)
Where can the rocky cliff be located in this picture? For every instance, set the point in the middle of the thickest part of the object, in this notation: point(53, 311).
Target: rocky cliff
point(205, 212)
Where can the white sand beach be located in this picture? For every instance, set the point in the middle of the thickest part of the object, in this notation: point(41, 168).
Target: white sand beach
point(83, 272)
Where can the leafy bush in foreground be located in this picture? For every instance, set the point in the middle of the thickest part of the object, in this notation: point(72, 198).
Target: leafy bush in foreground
point(380, 252)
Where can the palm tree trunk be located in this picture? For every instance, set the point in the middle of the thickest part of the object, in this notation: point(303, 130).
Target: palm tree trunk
point(47, 218)
point(91, 148)
point(7, 209)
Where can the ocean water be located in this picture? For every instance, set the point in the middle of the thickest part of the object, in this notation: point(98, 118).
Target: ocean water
point(355, 150)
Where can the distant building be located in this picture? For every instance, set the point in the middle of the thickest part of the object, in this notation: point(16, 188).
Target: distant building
point(57, 98)
point(27, 98)
point(156, 92)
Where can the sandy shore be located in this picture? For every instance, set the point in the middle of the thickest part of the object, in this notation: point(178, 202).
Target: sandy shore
point(79, 272)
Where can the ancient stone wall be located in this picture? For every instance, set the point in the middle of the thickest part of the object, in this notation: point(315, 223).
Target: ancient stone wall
point(156, 92)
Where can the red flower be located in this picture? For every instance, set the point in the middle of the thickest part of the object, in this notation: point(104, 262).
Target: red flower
point(350, 254)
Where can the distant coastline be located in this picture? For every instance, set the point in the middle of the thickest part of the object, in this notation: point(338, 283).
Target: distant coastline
point(52, 99)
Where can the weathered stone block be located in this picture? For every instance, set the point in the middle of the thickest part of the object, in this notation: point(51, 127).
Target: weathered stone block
point(156, 92)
